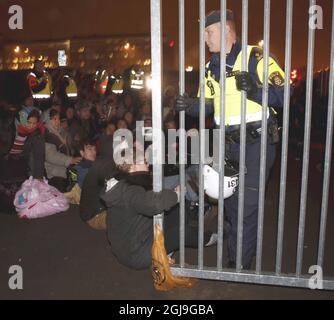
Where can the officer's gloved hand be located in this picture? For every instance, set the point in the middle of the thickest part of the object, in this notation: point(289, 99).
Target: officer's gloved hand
point(182, 103)
point(245, 82)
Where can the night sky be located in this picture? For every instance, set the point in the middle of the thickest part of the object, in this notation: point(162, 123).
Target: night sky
point(62, 19)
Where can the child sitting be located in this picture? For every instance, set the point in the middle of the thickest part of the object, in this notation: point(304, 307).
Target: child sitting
point(78, 172)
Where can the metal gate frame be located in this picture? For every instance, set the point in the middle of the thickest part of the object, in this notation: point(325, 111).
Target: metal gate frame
point(239, 275)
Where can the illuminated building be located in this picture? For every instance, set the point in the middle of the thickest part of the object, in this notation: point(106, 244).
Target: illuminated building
point(84, 54)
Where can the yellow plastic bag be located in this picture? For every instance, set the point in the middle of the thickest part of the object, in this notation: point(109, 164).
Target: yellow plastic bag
point(74, 195)
point(163, 278)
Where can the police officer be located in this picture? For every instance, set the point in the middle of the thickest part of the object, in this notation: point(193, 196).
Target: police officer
point(101, 81)
point(251, 82)
point(116, 84)
point(40, 85)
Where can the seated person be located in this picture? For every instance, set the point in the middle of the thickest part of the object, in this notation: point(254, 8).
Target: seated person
point(57, 153)
point(131, 207)
point(88, 154)
point(78, 172)
point(92, 208)
point(28, 143)
point(106, 139)
point(22, 153)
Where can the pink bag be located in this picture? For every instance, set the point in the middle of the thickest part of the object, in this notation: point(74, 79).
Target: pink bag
point(36, 199)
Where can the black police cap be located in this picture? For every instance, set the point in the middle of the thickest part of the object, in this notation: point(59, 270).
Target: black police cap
point(214, 16)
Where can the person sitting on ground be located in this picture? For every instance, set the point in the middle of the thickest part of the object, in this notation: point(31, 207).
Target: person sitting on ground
point(131, 207)
point(57, 154)
point(82, 128)
point(22, 153)
point(29, 141)
point(88, 154)
point(106, 139)
point(92, 208)
point(79, 172)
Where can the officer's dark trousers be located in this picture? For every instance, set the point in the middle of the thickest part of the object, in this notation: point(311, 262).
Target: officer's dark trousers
point(253, 153)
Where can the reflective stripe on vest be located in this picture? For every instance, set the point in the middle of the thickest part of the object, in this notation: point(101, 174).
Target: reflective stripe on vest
point(31, 74)
point(233, 97)
point(41, 96)
point(71, 90)
point(117, 91)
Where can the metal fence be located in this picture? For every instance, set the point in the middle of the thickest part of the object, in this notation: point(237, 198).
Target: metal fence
point(296, 279)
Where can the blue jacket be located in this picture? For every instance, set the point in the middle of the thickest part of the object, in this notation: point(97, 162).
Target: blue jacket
point(82, 169)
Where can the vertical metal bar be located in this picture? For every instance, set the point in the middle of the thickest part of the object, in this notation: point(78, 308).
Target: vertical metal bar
point(285, 134)
point(182, 131)
point(321, 76)
point(262, 184)
point(326, 76)
point(202, 132)
point(241, 199)
point(156, 54)
point(327, 163)
point(306, 154)
point(221, 136)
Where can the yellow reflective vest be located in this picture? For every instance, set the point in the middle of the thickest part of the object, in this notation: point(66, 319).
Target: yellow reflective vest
point(233, 95)
point(46, 92)
point(117, 86)
point(71, 89)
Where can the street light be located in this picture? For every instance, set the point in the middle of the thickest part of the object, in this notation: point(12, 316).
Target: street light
point(17, 49)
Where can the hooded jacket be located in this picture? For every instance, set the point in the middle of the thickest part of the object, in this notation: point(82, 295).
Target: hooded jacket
point(131, 209)
point(101, 170)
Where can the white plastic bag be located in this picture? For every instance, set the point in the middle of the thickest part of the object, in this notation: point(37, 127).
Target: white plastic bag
point(37, 199)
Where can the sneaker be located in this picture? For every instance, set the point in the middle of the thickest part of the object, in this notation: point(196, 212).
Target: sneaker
point(171, 261)
point(213, 240)
point(170, 254)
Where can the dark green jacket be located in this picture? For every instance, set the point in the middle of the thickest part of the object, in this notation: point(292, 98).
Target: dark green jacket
point(130, 220)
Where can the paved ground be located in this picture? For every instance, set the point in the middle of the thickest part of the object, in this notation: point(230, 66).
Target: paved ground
point(62, 258)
